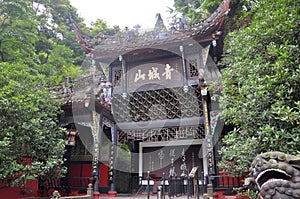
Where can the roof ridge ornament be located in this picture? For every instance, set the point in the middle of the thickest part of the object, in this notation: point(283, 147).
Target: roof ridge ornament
point(112, 45)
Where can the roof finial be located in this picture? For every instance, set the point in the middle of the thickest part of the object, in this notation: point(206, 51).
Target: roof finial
point(159, 22)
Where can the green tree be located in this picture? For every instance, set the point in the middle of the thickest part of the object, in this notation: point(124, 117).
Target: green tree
point(195, 10)
point(100, 28)
point(37, 47)
point(17, 31)
point(28, 125)
point(57, 46)
point(32, 32)
point(34, 51)
point(61, 13)
point(58, 64)
point(260, 94)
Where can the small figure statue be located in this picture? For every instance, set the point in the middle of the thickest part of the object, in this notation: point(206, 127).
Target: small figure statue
point(127, 34)
point(181, 24)
point(172, 172)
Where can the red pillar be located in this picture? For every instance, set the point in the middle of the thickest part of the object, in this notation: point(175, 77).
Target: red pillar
point(112, 194)
point(96, 195)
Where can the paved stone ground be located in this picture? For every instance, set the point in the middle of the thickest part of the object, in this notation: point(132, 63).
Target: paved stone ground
point(146, 197)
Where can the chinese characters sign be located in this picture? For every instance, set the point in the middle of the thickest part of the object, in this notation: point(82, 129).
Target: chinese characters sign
point(153, 74)
point(165, 74)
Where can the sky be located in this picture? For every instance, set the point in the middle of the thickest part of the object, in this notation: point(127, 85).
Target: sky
point(124, 12)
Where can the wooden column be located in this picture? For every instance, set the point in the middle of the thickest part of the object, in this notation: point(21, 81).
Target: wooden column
point(124, 76)
point(185, 85)
point(208, 135)
point(97, 129)
point(112, 170)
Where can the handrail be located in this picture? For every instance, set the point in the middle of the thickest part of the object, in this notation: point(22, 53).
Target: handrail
point(69, 183)
point(223, 182)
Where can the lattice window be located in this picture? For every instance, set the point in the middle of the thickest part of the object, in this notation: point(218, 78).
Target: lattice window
point(117, 77)
point(193, 68)
point(123, 137)
point(160, 104)
point(163, 134)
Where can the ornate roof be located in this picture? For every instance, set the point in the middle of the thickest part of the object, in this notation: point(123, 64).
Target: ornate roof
point(204, 30)
point(112, 46)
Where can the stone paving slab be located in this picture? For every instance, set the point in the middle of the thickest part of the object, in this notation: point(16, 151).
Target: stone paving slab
point(146, 197)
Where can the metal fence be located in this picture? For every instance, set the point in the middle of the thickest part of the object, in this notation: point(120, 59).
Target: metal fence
point(225, 182)
point(190, 187)
point(171, 187)
point(164, 187)
point(176, 186)
point(69, 183)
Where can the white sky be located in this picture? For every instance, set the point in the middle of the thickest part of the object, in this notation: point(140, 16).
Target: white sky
point(123, 12)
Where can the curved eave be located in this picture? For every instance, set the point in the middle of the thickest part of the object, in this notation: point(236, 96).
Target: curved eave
point(204, 32)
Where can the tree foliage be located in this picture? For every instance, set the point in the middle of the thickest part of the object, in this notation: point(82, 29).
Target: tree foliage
point(34, 51)
point(100, 28)
point(32, 31)
point(261, 84)
point(196, 10)
point(28, 125)
point(17, 31)
point(38, 47)
point(56, 40)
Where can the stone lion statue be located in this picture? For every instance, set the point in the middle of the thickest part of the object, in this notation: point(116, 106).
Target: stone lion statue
point(275, 175)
